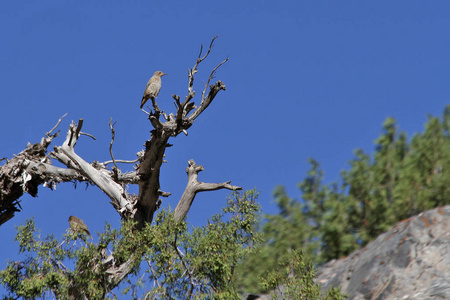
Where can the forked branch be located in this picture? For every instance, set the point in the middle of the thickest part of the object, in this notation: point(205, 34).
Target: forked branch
point(194, 186)
point(100, 177)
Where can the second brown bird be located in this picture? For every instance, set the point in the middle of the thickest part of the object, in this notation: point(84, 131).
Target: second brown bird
point(152, 88)
point(77, 225)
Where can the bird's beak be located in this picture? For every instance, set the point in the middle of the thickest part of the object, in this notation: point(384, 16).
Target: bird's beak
point(164, 74)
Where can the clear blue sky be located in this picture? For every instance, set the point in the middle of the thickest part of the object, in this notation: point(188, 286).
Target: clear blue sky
point(304, 79)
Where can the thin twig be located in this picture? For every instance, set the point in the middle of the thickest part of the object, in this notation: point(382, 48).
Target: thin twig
point(62, 265)
point(211, 76)
point(115, 297)
point(199, 60)
point(113, 134)
point(200, 53)
point(191, 72)
point(89, 135)
point(51, 130)
point(62, 243)
point(191, 276)
point(153, 271)
point(177, 101)
point(121, 161)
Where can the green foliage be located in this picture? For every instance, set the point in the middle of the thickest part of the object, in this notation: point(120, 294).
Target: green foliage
point(282, 233)
point(294, 279)
point(402, 178)
point(44, 269)
point(200, 264)
point(180, 264)
point(326, 214)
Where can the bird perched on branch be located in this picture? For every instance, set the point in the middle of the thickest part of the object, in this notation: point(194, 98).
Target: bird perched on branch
point(77, 225)
point(152, 88)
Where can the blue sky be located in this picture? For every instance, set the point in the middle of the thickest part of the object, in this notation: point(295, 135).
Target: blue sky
point(305, 79)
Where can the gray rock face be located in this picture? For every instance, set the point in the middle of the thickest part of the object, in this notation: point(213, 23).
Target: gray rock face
point(410, 261)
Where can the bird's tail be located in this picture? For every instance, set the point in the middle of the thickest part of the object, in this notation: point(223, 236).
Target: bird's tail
point(143, 102)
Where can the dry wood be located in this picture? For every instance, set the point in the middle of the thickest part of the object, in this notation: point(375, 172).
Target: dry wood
point(194, 186)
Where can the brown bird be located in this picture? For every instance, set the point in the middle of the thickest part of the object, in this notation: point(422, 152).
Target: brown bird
point(77, 225)
point(152, 88)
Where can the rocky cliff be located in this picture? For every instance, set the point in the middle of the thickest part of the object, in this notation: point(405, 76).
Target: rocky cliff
point(410, 261)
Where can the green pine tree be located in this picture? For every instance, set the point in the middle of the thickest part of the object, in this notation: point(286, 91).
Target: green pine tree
point(402, 178)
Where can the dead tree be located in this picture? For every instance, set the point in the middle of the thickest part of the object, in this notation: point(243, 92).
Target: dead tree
point(33, 167)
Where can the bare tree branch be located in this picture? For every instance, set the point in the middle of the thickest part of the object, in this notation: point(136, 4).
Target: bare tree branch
point(194, 186)
point(66, 154)
point(186, 267)
point(113, 134)
point(153, 271)
point(59, 121)
point(121, 161)
point(211, 76)
point(194, 70)
point(213, 90)
point(23, 174)
point(89, 135)
point(54, 174)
